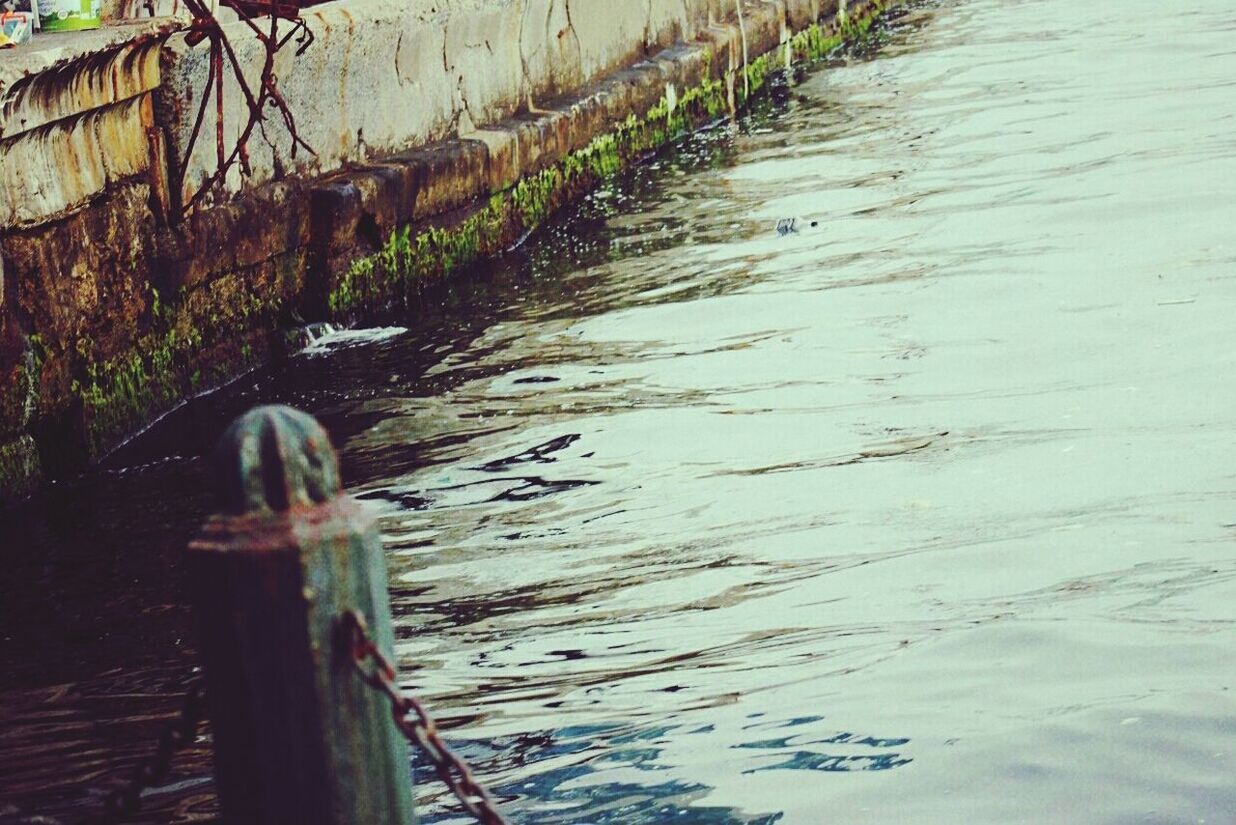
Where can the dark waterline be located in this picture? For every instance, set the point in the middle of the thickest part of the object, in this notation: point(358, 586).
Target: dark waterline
point(920, 513)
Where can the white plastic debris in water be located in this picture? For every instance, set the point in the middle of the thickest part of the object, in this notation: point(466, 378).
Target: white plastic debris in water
point(333, 338)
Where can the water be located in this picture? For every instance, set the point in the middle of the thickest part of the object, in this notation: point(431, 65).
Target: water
point(922, 512)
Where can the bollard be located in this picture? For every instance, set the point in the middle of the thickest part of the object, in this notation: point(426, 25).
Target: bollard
point(299, 737)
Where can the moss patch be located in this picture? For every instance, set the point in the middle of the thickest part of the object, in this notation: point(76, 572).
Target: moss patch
point(19, 465)
point(19, 397)
point(415, 255)
point(412, 257)
point(198, 340)
point(199, 337)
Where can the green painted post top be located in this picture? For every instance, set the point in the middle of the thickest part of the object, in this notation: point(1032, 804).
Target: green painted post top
point(300, 737)
point(274, 459)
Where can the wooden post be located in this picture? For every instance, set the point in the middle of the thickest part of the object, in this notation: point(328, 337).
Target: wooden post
point(299, 737)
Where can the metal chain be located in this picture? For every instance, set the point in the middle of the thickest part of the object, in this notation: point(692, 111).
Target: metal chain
point(124, 801)
point(416, 724)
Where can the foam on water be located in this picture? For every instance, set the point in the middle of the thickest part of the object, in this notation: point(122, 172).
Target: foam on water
point(327, 338)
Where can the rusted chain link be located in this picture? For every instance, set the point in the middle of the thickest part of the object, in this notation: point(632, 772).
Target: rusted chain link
point(124, 801)
point(415, 722)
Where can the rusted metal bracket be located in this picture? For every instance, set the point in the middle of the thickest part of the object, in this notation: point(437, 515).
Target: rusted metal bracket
point(263, 18)
point(275, 24)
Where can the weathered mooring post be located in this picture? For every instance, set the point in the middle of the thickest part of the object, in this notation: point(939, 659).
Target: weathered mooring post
point(299, 737)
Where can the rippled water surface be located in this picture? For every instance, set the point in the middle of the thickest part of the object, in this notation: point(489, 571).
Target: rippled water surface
point(923, 512)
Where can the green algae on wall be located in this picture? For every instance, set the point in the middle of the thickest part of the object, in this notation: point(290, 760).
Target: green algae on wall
point(192, 345)
point(81, 396)
point(413, 256)
point(19, 399)
point(20, 468)
point(19, 465)
point(408, 260)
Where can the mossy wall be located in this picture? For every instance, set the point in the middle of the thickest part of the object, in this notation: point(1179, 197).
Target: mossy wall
point(415, 254)
point(110, 317)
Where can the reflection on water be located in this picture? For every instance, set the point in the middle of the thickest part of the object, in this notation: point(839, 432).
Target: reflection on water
point(919, 512)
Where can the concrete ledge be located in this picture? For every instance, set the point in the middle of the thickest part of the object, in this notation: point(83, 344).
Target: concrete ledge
point(110, 314)
point(75, 116)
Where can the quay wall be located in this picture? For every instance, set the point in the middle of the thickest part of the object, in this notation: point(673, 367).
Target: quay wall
point(442, 132)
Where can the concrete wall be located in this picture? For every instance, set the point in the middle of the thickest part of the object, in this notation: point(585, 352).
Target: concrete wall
point(74, 115)
point(442, 132)
point(387, 75)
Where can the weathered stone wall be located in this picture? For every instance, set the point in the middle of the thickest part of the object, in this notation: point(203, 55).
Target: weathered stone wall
point(385, 75)
point(443, 131)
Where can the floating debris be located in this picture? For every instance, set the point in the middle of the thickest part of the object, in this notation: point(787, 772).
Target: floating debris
point(785, 226)
point(324, 338)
